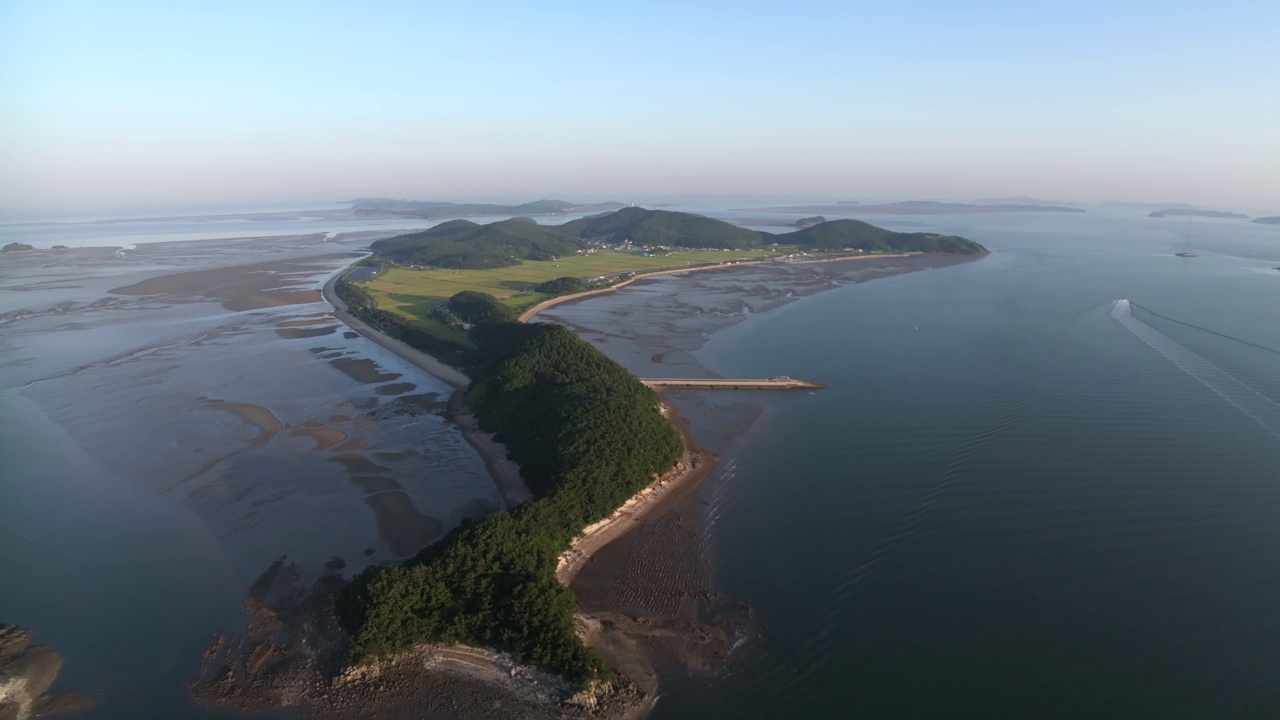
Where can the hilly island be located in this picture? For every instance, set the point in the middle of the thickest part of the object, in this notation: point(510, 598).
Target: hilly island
point(1194, 212)
point(588, 436)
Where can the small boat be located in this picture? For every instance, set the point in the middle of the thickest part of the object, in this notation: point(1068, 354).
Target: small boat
point(1185, 254)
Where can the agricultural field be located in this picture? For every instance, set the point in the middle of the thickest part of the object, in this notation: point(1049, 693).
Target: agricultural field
point(414, 293)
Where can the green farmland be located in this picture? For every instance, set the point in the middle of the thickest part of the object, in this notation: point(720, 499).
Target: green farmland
point(414, 293)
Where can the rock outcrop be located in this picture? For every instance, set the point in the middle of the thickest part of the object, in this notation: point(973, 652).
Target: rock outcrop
point(26, 672)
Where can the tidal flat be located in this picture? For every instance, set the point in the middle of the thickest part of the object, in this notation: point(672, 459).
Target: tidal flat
point(190, 413)
point(179, 416)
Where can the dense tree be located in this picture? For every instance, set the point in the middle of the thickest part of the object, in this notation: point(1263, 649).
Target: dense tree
point(566, 285)
point(857, 235)
point(587, 435)
point(480, 308)
point(663, 228)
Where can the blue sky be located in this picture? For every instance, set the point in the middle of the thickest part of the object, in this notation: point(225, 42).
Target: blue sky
point(131, 104)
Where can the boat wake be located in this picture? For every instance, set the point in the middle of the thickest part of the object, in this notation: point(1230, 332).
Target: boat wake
point(1262, 409)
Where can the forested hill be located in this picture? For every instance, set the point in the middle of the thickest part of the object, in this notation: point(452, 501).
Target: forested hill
point(664, 228)
point(587, 436)
point(857, 235)
point(464, 244)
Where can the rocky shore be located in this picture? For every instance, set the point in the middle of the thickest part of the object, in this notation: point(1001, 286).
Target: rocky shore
point(26, 673)
point(294, 654)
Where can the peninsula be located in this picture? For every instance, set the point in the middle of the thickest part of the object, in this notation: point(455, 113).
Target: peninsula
point(1272, 220)
point(598, 450)
point(585, 432)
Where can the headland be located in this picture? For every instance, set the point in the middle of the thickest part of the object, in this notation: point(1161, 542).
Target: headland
point(576, 531)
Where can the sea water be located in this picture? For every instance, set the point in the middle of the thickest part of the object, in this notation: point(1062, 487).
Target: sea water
point(1008, 504)
point(1017, 499)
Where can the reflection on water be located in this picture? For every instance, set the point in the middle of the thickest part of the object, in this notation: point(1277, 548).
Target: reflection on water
point(1007, 505)
point(166, 436)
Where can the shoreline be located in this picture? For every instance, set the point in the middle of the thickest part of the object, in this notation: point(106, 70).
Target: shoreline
point(528, 314)
point(445, 373)
point(693, 468)
point(634, 641)
point(505, 474)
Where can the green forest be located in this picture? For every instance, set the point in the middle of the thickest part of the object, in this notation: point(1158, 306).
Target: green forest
point(587, 436)
point(857, 235)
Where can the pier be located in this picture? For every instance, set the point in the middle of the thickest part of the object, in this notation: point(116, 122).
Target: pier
point(781, 382)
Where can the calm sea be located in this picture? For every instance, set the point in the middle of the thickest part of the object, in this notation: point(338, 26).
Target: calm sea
point(1012, 503)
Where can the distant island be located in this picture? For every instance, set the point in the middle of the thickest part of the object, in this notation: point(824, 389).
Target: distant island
point(917, 207)
point(1183, 212)
point(428, 210)
point(1273, 220)
point(1023, 200)
point(16, 247)
point(809, 222)
point(1139, 206)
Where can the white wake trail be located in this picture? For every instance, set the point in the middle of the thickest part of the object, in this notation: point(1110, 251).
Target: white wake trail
point(1259, 407)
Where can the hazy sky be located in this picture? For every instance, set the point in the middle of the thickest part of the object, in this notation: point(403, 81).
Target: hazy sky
point(130, 104)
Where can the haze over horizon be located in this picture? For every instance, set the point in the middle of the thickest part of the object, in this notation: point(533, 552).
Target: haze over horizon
point(142, 104)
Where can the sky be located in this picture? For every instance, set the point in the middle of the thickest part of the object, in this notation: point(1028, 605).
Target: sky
point(112, 105)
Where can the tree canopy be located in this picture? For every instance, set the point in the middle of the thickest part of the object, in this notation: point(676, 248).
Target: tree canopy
point(587, 436)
